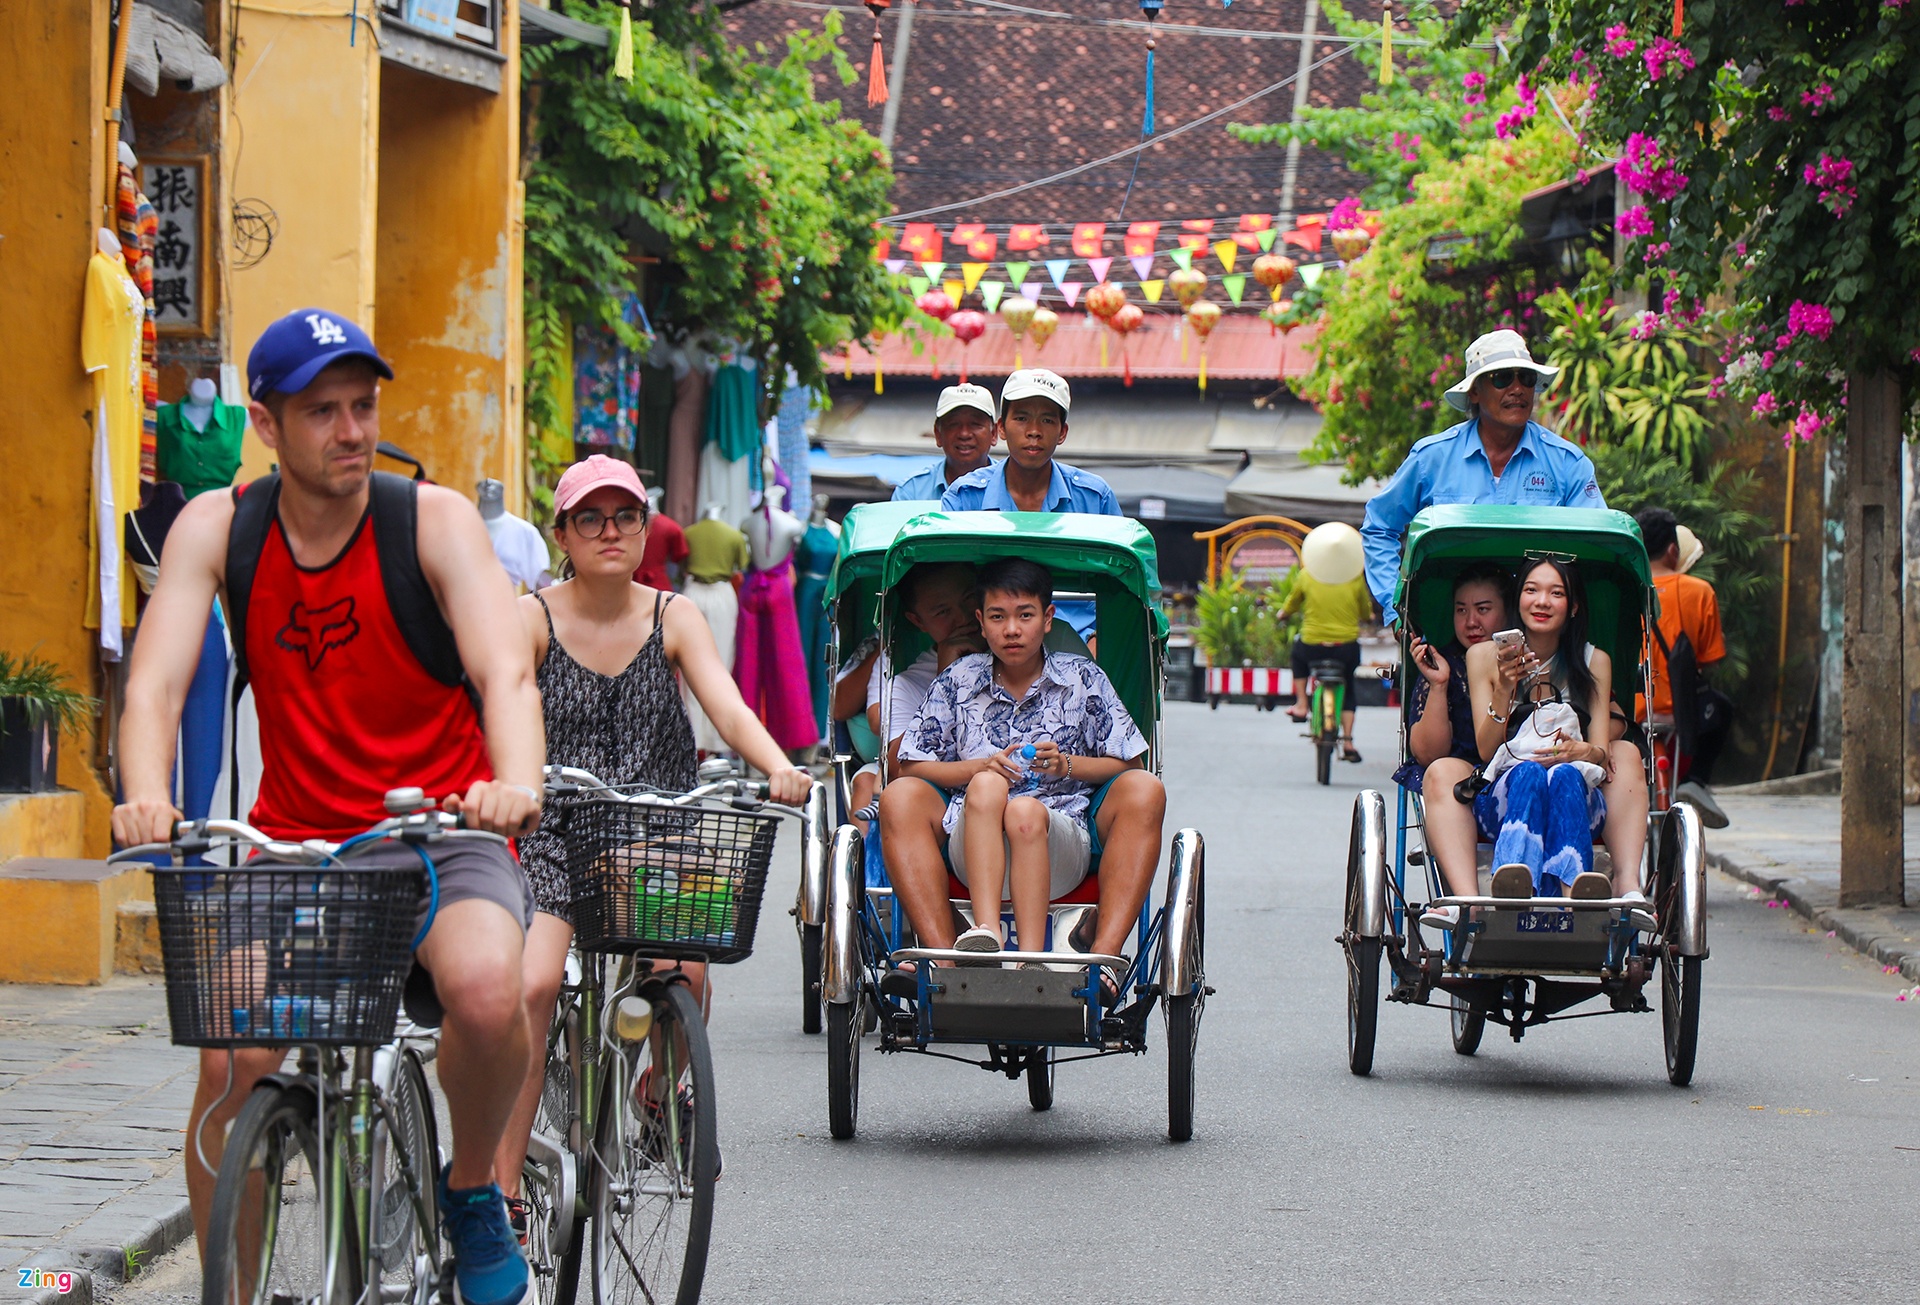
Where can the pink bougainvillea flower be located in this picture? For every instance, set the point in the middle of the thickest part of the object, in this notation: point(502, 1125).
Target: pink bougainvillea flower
point(1814, 319)
point(1818, 98)
point(1766, 405)
point(1663, 55)
point(1833, 178)
point(1777, 114)
point(1619, 44)
point(1645, 326)
point(1657, 252)
point(1766, 360)
point(1635, 222)
point(1807, 424)
point(1717, 388)
point(1646, 173)
point(1345, 214)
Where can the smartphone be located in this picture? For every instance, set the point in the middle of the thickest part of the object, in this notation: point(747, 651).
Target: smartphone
point(1509, 638)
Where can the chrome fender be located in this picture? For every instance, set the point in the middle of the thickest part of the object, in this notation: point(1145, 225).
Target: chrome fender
point(1683, 854)
point(816, 847)
point(1367, 863)
point(1182, 960)
point(846, 892)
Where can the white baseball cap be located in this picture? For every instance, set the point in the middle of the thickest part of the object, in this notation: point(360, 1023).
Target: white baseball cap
point(1036, 382)
point(1490, 353)
point(964, 396)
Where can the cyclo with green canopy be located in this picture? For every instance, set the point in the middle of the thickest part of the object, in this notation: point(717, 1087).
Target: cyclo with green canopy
point(1521, 962)
point(1027, 1020)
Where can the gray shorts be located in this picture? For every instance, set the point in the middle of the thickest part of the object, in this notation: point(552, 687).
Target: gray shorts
point(1069, 853)
point(467, 868)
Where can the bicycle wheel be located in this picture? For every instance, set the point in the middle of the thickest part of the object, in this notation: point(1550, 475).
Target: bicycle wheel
point(844, 1024)
point(1183, 1037)
point(555, 1233)
point(1680, 1014)
point(1468, 1025)
point(266, 1235)
point(1323, 760)
point(403, 1221)
point(655, 1160)
point(1040, 1079)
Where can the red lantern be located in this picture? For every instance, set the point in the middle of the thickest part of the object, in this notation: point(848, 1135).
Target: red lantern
point(967, 326)
point(1106, 299)
point(1273, 271)
point(1123, 323)
point(935, 304)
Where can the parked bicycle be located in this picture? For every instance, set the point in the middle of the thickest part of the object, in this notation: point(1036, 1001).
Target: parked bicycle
point(619, 1177)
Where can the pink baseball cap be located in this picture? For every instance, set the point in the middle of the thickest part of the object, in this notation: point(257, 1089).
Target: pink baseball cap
point(585, 476)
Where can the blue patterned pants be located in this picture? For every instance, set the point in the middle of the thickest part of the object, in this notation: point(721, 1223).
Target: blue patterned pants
point(1542, 818)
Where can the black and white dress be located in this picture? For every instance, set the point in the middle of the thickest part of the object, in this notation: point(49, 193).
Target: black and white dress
point(628, 728)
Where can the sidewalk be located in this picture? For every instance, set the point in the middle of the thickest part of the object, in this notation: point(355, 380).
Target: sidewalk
point(1790, 847)
point(93, 1109)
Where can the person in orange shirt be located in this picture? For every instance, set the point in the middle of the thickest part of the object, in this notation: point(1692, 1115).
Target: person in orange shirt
point(1688, 608)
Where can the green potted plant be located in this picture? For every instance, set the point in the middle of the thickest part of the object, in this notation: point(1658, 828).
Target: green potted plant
point(36, 705)
point(1246, 642)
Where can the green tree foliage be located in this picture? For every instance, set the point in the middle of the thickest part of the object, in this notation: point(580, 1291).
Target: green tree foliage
point(1776, 146)
point(760, 198)
point(1636, 383)
point(1238, 624)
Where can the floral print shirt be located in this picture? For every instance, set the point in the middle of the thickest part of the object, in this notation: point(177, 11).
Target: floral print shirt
point(969, 714)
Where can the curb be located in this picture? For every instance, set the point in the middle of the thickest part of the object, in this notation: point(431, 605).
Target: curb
point(106, 1266)
point(1854, 928)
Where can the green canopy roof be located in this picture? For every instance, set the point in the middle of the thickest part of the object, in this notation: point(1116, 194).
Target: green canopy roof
point(865, 536)
point(1078, 548)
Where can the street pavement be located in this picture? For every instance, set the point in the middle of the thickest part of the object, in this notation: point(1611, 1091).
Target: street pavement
point(1564, 1168)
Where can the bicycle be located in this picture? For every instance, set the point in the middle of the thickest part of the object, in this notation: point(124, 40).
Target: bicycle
point(1325, 702)
point(326, 1192)
point(620, 1170)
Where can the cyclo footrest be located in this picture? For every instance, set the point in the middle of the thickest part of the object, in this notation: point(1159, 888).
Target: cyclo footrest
point(1001, 1005)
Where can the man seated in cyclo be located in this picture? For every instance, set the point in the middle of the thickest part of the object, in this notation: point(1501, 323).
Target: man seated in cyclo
point(1017, 827)
point(349, 710)
point(941, 602)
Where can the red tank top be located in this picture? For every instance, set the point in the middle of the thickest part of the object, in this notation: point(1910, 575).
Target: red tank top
point(346, 710)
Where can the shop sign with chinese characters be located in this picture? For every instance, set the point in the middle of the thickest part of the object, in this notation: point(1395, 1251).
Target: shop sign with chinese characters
point(177, 189)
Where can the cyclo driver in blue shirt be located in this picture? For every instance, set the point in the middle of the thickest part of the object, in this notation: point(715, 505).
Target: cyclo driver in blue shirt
point(1501, 455)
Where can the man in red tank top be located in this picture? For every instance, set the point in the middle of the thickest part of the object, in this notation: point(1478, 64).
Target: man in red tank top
point(348, 711)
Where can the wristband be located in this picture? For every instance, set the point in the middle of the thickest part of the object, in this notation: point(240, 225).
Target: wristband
point(528, 790)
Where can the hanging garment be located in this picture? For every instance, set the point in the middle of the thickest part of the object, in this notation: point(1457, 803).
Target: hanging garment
point(814, 557)
point(726, 482)
point(652, 441)
point(666, 543)
point(768, 666)
point(138, 226)
point(795, 406)
point(721, 606)
point(522, 550)
point(110, 350)
point(683, 443)
point(716, 551)
point(606, 396)
point(733, 410)
point(199, 460)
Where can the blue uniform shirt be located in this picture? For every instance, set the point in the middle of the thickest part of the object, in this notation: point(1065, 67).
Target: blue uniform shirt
point(1070, 490)
point(1452, 467)
point(924, 486)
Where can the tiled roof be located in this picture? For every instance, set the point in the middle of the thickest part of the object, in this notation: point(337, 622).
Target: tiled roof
point(994, 98)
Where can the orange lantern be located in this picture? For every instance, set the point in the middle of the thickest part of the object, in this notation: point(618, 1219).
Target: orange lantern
point(1188, 284)
point(1351, 242)
point(967, 326)
point(1123, 323)
point(1273, 271)
point(1045, 323)
point(1203, 317)
point(1106, 299)
point(1272, 314)
point(1017, 313)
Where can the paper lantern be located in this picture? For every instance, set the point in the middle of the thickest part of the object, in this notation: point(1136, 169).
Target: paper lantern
point(1017, 313)
point(1351, 242)
point(1123, 324)
point(1333, 554)
point(935, 304)
point(1273, 270)
point(876, 66)
point(1203, 317)
point(1045, 323)
point(1106, 299)
point(1272, 314)
point(967, 326)
point(1188, 284)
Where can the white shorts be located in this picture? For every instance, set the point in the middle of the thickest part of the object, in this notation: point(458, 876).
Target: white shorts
point(871, 768)
point(1069, 853)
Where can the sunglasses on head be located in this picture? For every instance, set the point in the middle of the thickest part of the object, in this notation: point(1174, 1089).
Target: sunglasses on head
point(1506, 376)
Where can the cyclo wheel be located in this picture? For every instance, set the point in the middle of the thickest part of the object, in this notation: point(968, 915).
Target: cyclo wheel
point(1680, 1014)
point(403, 1214)
point(1183, 1037)
point(1468, 1025)
point(1363, 971)
point(266, 1235)
point(810, 943)
point(656, 1156)
point(1039, 1077)
point(844, 1025)
point(556, 1267)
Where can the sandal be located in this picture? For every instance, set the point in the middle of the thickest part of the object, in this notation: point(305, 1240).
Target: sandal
point(1348, 752)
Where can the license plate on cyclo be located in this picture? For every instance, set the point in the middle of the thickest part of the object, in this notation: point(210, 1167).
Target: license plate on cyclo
point(1544, 922)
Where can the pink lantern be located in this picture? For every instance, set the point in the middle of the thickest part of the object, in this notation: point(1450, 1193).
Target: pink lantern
point(967, 326)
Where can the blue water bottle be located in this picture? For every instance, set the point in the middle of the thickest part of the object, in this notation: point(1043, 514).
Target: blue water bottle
point(1030, 779)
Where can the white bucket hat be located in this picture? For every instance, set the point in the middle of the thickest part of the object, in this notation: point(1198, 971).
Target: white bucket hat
point(965, 396)
point(1035, 382)
point(1490, 353)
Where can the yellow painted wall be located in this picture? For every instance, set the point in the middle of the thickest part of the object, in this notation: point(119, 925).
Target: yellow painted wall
point(302, 138)
point(448, 273)
point(52, 191)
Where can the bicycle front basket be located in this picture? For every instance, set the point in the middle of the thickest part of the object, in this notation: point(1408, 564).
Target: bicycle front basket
point(680, 883)
point(272, 955)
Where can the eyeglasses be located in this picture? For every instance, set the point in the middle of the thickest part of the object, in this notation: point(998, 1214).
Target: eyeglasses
point(1506, 376)
point(592, 522)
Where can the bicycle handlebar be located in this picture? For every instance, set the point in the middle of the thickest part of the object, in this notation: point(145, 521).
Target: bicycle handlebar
point(741, 794)
point(198, 837)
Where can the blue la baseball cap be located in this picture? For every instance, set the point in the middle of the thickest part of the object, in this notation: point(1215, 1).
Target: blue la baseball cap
point(301, 345)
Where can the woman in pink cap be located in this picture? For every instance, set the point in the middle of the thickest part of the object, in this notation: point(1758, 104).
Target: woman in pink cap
point(606, 650)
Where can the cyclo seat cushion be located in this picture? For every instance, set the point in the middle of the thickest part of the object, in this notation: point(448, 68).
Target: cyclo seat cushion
point(1084, 893)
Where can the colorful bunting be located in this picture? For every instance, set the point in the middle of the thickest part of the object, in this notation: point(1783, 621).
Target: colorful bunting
point(895, 264)
point(1026, 235)
point(990, 292)
point(918, 285)
point(1089, 239)
point(1236, 285)
point(1310, 272)
point(1057, 268)
point(1099, 266)
point(965, 233)
point(1266, 239)
point(1142, 265)
point(985, 246)
point(1202, 226)
point(1183, 256)
point(1071, 290)
point(1031, 293)
point(921, 240)
point(1226, 251)
point(1140, 239)
point(972, 272)
point(1256, 221)
point(881, 248)
point(932, 270)
point(1196, 243)
point(1152, 289)
point(1308, 238)
point(1017, 272)
point(957, 291)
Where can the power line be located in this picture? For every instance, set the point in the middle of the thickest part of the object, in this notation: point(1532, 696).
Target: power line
point(927, 14)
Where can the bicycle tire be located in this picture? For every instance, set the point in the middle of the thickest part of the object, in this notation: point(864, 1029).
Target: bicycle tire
point(1680, 1014)
point(556, 1268)
point(403, 1235)
point(1468, 1027)
point(274, 1141)
point(1323, 761)
point(660, 1162)
point(1039, 1075)
point(1183, 1039)
point(843, 1067)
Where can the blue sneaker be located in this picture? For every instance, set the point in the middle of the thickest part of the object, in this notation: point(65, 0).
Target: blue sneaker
point(489, 1268)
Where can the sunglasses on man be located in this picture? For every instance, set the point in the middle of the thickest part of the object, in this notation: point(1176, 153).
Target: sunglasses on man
point(1507, 377)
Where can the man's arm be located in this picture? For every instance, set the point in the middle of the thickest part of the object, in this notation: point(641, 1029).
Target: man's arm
point(192, 568)
point(477, 600)
point(1388, 513)
point(1583, 487)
